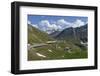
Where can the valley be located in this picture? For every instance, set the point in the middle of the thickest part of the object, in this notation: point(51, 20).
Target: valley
point(66, 44)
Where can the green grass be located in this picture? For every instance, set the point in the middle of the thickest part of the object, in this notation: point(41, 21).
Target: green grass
point(58, 52)
point(37, 36)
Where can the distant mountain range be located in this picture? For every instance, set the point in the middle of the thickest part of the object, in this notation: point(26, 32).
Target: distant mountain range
point(79, 33)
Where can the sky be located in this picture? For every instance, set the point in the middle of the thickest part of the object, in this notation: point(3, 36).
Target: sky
point(50, 23)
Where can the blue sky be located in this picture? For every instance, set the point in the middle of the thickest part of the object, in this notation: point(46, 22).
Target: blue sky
point(50, 23)
point(35, 19)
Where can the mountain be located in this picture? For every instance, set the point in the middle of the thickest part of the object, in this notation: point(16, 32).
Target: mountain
point(78, 33)
point(54, 34)
point(82, 33)
point(37, 36)
point(40, 48)
point(66, 33)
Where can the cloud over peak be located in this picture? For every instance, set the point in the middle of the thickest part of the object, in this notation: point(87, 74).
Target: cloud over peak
point(63, 22)
point(34, 25)
point(78, 23)
point(49, 27)
point(29, 22)
point(45, 25)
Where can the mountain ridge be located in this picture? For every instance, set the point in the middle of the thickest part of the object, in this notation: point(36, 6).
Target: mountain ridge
point(79, 33)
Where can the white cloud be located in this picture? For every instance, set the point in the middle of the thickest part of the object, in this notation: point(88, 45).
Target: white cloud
point(46, 26)
point(60, 24)
point(44, 23)
point(29, 22)
point(34, 25)
point(78, 23)
point(63, 24)
point(54, 26)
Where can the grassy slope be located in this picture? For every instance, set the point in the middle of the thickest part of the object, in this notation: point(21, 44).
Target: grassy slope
point(37, 36)
point(58, 52)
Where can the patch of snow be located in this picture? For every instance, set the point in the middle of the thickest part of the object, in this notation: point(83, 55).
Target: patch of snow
point(29, 46)
point(59, 47)
point(41, 55)
point(84, 43)
point(49, 50)
point(63, 56)
point(69, 51)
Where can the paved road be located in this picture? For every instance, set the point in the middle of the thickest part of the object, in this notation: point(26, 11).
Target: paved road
point(35, 45)
point(38, 45)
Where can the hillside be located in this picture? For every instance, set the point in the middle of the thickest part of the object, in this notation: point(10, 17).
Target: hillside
point(76, 34)
point(42, 46)
point(37, 36)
